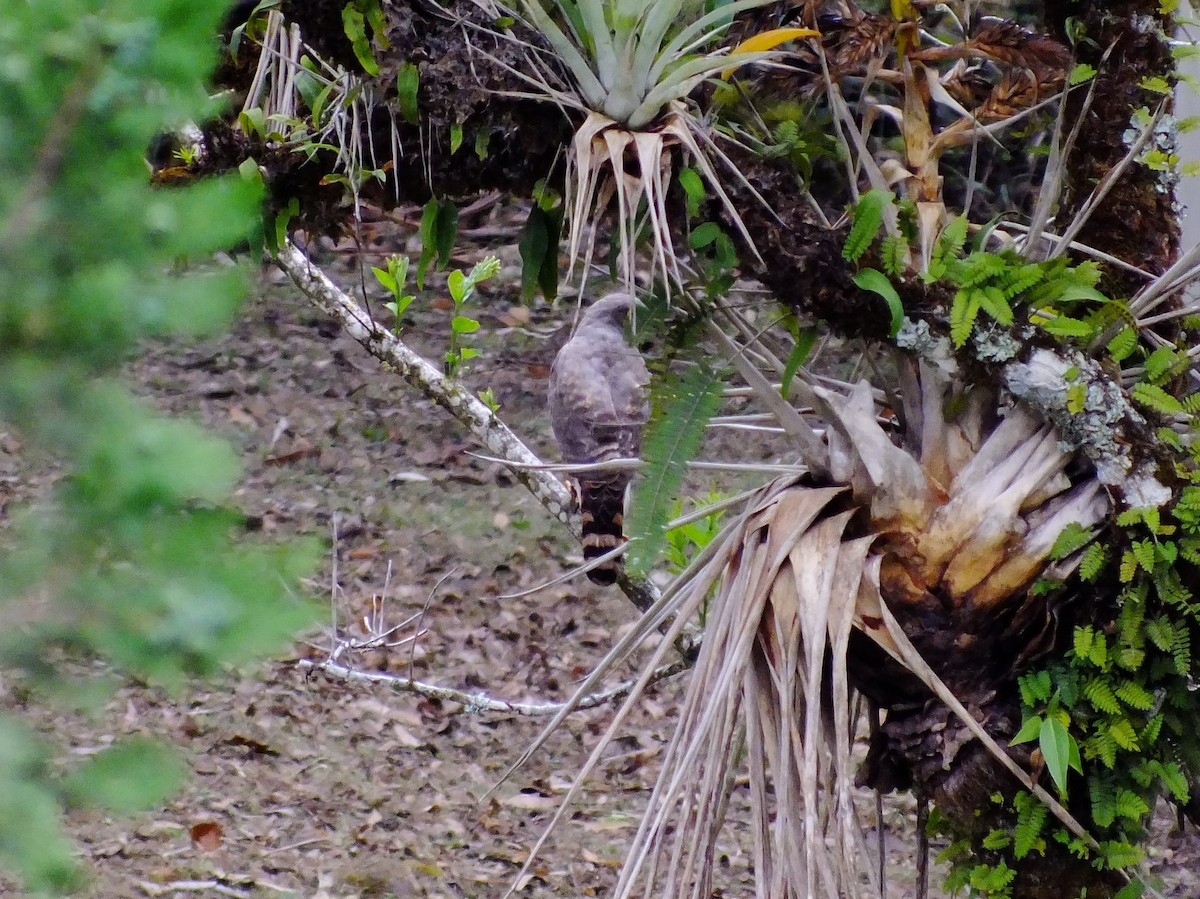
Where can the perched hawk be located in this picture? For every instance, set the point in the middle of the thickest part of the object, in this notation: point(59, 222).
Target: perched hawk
point(597, 407)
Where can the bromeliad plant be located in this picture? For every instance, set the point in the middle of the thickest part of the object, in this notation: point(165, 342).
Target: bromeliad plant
point(631, 66)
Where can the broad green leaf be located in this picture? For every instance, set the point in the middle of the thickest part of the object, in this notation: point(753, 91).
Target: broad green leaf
point(1054, 742)
point(876, 281)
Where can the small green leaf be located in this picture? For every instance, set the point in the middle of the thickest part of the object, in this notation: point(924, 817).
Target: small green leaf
point(483, 137)
point(427, 232)
point(460, 324)
point(1081, 73)
point(456, 137)
point(693, 189)
point(385, 278)
point(1064, 326)
point(1154, 397)
point(703, 235)
point(355, 26)
point(805, 341)
point(408, 83)
point(458, 286)
point(1071, 539)
point(447, 232)
point(876, 281)
point(533, 247)
point(1030, 731)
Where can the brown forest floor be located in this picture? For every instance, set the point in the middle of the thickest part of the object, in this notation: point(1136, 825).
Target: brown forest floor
point(321, 788)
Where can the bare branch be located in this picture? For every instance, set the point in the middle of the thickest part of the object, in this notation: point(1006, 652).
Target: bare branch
point(481, 702)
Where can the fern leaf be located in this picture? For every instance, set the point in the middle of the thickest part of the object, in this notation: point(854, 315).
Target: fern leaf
point(1135, 696)
point(1031, 819)
point(1034, 687)
point(1143, 551)
point(1131, 806)
point(867, 218)
point(1153, 728)
point(963, 312)
point(1073, 538)
point(949, 244)
point(992, 301)
point(1124, 735)
point(1094, 558)
point(1102, 746)
point(1022, 279)
point(1122, 346)
point(1100, 695)
point(1155, 398)
point(1174, 780)
point(1084, 638)
point(1159, 364)
point(1066, 327)
point(683, 406)
point(894, 255)
point(1104, 802)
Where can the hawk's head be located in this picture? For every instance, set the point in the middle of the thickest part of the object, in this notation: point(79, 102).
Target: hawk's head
point(613, 309)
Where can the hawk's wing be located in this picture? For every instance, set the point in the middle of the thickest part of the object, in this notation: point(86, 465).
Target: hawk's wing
point(597, 408)
point(598, 399)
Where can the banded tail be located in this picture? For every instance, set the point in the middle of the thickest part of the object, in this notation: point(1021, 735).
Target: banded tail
point(602, 513)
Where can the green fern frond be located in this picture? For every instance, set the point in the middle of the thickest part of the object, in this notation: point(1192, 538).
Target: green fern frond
point(1031, 820)
point(977, 269)
point(867, 218)
point(1022, 278)
point(1101, 746)
point(1095, 557)
point(963, 312)
point(1104, 802)
point(1131, 806)
point(1098, 692)
point(1124, 735)
point(1122, 346)
point(1035, 688)
point(683, 405)
point(1143, 551)
point(1073, 538)
point(949, 245)
point(894, 254)
point(1153, 728)
point(992, 301)
point(1135, 696)
point(1153, 397)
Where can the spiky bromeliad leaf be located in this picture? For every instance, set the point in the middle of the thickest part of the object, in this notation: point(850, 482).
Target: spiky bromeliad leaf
point(682, 407)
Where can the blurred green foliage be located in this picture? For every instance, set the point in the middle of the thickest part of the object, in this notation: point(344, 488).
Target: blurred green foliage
point(135, 560)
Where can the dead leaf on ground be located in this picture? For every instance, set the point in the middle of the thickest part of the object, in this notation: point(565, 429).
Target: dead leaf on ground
point(207, 835)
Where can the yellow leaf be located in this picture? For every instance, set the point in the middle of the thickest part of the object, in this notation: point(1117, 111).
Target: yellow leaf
point(767, 40)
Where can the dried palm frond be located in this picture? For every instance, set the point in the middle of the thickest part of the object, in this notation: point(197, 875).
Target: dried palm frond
point(946, 516)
